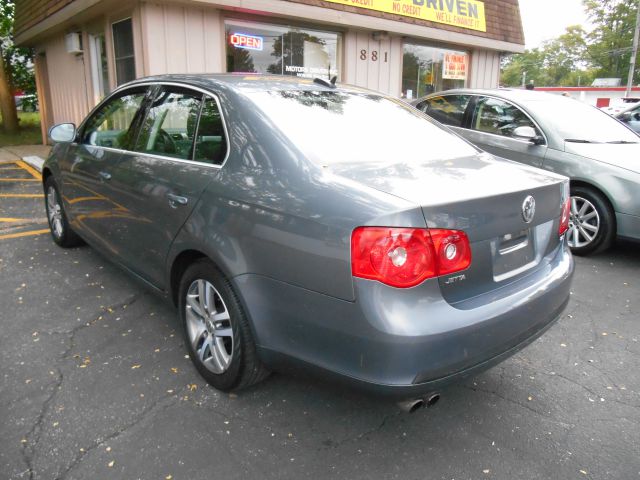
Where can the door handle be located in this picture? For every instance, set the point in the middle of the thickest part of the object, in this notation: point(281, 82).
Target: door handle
point(105, 175)
point(175, 200)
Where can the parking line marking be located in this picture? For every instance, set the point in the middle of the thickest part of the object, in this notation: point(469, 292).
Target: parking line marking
point(11, 220)
point(23, 234)
point(25, 166)
point(19, 180)
point(21, 195)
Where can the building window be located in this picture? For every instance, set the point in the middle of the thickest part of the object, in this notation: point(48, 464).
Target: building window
point(99, 69)
point(283, 50)
point(428, 69)
point(123, 51)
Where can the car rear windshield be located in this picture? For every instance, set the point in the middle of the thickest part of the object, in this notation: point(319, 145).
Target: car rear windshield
point(345, 127)
point(579, 122)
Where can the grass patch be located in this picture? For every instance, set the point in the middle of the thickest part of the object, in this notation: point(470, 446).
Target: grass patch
point(28, 134)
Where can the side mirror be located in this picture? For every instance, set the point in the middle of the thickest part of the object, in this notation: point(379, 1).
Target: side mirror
point(62, 133)
point(625, 117)
point(527, 133)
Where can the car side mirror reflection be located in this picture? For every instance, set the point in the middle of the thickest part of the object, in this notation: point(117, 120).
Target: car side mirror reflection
point(527, 133)
point(62, 133)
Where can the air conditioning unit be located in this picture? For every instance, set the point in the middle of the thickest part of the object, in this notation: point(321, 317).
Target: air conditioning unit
point(73, 42)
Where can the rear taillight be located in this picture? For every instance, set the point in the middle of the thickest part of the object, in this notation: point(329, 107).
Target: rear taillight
point(564, 217)
point(404, 257)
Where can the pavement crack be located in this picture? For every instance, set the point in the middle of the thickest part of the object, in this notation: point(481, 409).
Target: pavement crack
point(159, 405)
point(33, 436)
point(520, 404)
point(366, 433)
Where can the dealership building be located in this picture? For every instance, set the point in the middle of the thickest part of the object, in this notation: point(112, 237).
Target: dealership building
point(406, 48)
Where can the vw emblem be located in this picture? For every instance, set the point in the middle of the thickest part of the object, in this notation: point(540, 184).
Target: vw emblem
point(528, 209)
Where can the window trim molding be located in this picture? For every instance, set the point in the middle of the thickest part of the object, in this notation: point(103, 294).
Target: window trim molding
point(125, 87)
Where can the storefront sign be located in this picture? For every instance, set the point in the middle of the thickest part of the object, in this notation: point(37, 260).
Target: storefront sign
point(460, 13)
point(454, 66)
point(242, 40)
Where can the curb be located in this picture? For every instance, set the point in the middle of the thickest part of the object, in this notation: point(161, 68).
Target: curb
point(35, 161)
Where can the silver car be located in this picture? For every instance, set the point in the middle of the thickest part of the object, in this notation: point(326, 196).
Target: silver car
point(598, 153)
point(292, 228)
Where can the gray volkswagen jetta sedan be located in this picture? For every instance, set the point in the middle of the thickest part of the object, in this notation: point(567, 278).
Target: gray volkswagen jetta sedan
point(292, 227)
point(562, 135)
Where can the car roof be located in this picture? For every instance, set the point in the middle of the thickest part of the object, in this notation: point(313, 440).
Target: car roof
point(514, 94)
point(245, 82)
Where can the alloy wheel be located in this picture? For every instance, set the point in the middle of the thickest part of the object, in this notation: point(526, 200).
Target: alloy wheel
point(209, 326)
point(54, 211)
point(584, 223)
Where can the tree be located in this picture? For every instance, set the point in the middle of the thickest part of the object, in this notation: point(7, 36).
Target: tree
point(16, 70)
point(562, 61)
point(610, 42)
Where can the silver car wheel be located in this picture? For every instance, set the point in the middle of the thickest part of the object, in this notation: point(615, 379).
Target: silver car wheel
point(54, 211)
point(584, 223)
point(209, 326)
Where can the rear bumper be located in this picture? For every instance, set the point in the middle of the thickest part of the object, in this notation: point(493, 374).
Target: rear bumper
point(404, 342)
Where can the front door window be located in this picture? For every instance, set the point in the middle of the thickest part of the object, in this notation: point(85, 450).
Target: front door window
point(498, 117)
point(112, 125)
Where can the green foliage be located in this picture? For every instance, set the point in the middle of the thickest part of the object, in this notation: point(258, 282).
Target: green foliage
point(28, 134)
point(577, 57)
point(19, 60)
point(610, 42)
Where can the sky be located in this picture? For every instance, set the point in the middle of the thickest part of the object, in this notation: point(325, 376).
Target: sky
point(545, 19)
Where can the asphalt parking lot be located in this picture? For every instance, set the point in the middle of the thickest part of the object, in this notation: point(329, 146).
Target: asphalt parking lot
point(95, 384)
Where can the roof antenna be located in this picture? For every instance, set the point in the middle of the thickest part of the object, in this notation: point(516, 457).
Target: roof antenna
point(326, 83)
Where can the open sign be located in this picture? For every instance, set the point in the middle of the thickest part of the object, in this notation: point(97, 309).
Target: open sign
point(241, 40)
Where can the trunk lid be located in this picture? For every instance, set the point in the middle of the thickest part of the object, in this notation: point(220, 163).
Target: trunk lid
point(484, 197)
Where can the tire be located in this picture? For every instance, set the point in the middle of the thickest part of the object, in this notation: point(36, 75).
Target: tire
point(61, 232)
point(216, 330)
point(592, 224)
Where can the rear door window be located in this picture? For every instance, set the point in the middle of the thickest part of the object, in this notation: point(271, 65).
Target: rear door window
point(447, 109)
point(211, 143)
point(498, 117)
point(113, 124)
point(170, 124)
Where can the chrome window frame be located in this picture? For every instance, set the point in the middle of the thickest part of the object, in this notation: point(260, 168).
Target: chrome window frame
point(186, 86)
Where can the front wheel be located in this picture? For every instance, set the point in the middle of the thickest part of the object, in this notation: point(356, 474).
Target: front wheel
point(216, 330)
point(591, 223)
point(61, 231)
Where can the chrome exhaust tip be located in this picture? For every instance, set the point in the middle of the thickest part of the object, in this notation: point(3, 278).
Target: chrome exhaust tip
point(415, 404)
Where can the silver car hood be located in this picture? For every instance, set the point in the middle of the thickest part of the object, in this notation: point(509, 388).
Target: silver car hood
point(626, 156)
point(440, 182)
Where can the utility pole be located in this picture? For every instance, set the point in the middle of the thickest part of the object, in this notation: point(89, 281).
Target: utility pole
point(524, 78)
point(634, 53)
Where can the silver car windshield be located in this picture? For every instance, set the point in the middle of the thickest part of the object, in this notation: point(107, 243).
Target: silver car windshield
point(339, 127)
point(578, 122)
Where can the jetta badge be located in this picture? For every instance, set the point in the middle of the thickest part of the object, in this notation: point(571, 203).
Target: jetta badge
point(528, 209)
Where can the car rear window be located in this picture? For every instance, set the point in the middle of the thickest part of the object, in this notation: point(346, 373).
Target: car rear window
point(344, 127)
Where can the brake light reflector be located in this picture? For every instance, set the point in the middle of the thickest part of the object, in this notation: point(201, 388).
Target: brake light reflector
point(564, 217)
point(405, 257)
